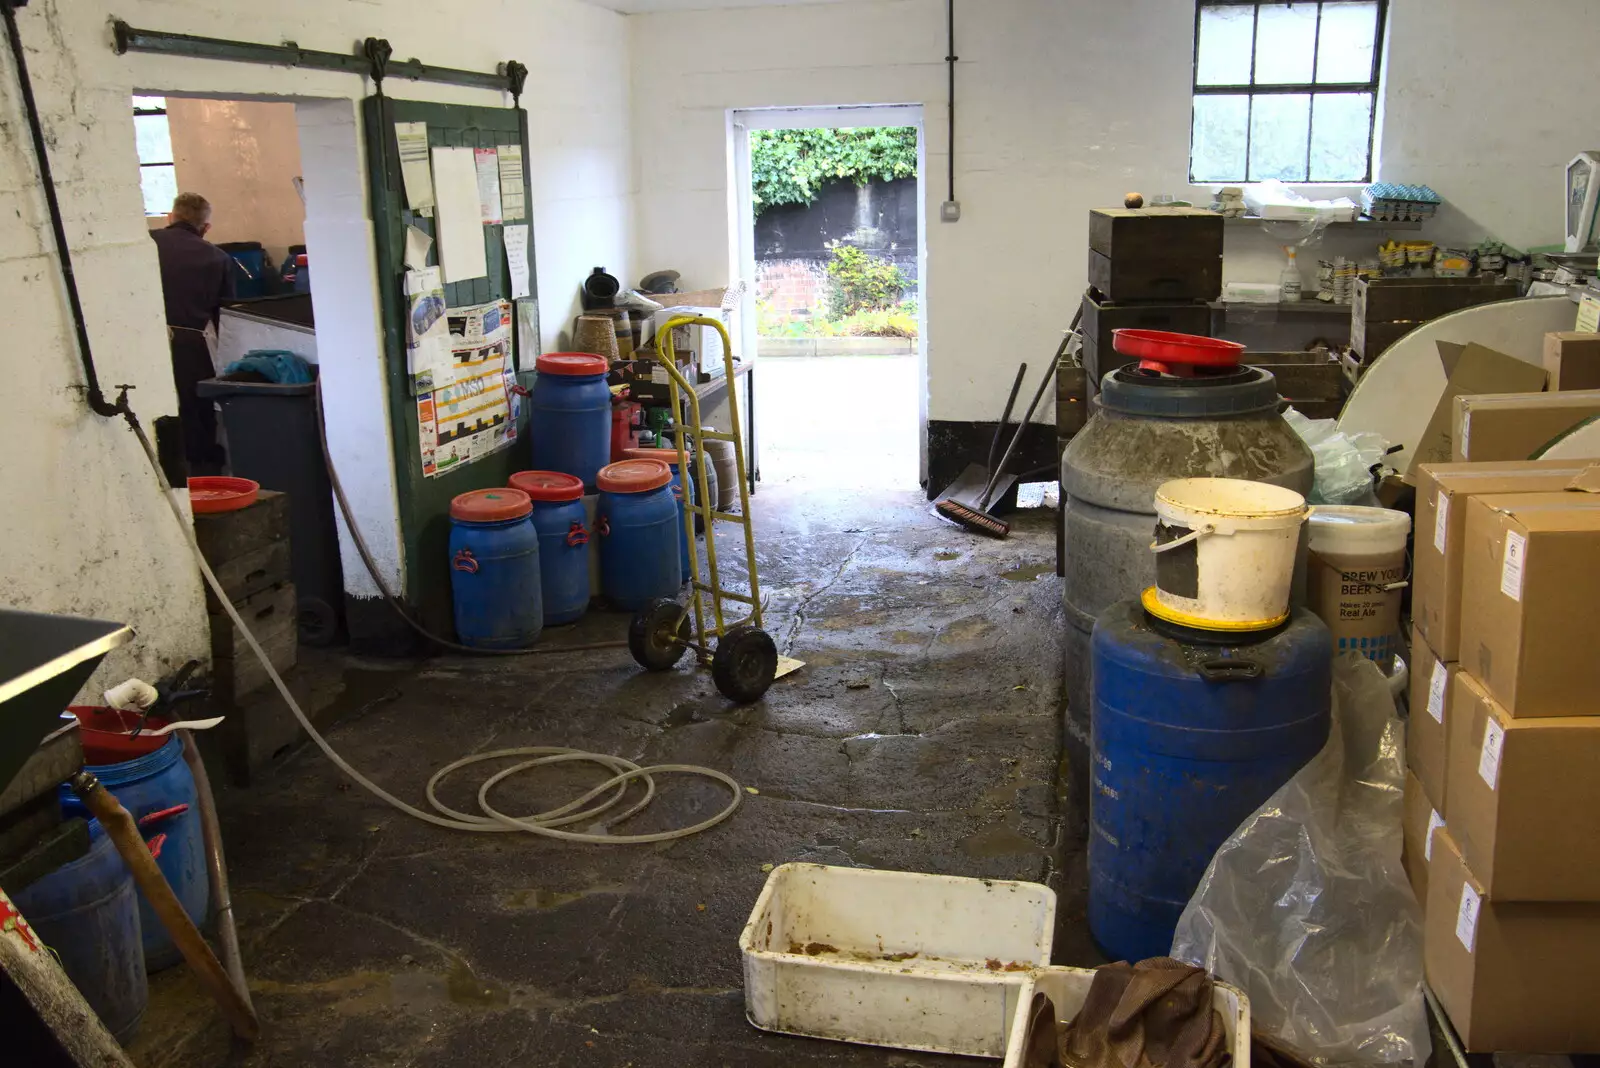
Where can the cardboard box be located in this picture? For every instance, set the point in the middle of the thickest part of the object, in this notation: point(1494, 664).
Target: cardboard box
point(1513, 976)
point(1419, 820)
point(1427, 729)
point(1515, 426)
point(1525, 799)
point(1572, 361)
point(1441, 511)
point(1469, 369)
point(1530, 584)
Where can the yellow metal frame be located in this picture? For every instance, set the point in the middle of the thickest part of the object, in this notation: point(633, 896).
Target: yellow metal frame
point(667, 354)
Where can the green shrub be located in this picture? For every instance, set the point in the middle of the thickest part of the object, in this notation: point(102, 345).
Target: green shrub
point(889, 322)
point(862, 282)
point(791, 166)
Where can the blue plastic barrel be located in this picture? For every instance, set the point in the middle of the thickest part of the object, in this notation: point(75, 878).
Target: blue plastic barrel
point(86, 911)
point(158, 791)
point(570, 426)
point(640, 534)
point(1190, 736)
point(494, 570)
point(561, 520)
point(681, 479)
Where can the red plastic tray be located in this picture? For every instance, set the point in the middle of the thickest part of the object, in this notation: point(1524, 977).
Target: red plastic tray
point(107, 735)
point(209, 494)
point(1161, 346)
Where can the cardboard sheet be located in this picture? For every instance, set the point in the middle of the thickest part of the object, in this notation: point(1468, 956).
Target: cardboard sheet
point(460, 216)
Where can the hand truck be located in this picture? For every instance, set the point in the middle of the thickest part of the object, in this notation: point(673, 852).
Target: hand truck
point(745, 659)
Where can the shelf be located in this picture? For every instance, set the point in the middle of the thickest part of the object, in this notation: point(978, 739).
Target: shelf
point(1348, 224)
point(1297, 307)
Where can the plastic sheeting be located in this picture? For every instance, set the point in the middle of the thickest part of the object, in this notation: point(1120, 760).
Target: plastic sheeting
point(1344, 462)
point(1306, 907)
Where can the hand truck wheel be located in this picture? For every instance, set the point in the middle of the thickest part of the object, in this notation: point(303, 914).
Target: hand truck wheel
point(659, 634)
point(745, 663)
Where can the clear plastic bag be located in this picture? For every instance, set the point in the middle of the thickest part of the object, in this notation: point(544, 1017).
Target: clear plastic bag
point(1306, 907)
point(1343, 461)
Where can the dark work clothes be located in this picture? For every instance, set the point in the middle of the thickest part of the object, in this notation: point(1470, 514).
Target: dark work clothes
point(196, 277)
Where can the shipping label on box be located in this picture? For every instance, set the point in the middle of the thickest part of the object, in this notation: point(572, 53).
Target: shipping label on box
point(1419, 822)
point(1516, 426)
point(1441, 518)
point(1427, 729)
point(1530, 584)
point(1524, 799)
point(1510, 975)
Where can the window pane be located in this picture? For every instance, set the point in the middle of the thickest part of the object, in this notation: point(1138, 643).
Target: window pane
point(1286, 42)
point(160, 185)
point(1349, 35)
point(1223, 57)
point(1279, 128)
point(154, 138)
point(149, 103)
point(1340, 128)
point(1219, 138)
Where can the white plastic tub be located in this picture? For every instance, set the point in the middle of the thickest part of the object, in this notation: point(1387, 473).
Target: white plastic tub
point(899, 959)
point(1068, 987)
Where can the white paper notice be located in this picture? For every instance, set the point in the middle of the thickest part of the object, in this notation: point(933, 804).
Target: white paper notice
point(1436, 686)
point(517, 259)
point(1435, 821)
point(1441, 521)
point(1494, 742)
point(529, 344)
point(417, 246)
point(427, 332)
point(1467, 917)
point(513, 198)
point(413, 140)
point(460, 218)
point(488, 166)
point(1511, 566)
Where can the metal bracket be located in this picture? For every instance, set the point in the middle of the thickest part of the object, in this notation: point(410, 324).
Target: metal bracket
point(517, 75)
point(377, 50)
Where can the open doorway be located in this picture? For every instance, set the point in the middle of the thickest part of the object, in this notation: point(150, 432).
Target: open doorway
point(830, 224)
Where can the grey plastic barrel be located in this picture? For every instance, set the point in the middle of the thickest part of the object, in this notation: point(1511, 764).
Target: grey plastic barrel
point(1147, 430)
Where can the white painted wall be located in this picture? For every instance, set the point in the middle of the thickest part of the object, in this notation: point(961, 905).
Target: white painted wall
point(1065, 105)
point(85, 529)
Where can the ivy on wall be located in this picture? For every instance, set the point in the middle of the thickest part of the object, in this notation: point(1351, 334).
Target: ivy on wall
point(792, 166)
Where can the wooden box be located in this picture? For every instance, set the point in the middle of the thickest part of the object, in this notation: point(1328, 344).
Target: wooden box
point(1383, 310)
point(1156, 234)
point(1172, 277)
point(271, 616)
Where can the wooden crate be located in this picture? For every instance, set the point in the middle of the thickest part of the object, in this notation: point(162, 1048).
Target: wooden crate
point(271, 616)
point(1165, 278)
point(1383, 310)
point(1156, 234)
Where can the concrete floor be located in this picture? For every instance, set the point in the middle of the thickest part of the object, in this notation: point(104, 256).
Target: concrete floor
point(923, 734)
point(840, 421)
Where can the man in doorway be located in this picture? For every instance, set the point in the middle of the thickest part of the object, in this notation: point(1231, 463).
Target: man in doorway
point(196, 277)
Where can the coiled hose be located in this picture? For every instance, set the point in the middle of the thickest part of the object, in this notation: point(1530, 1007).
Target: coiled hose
point(548, 824)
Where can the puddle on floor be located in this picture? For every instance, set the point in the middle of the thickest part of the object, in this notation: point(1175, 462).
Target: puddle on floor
point(946, 557)
point(1028, 573)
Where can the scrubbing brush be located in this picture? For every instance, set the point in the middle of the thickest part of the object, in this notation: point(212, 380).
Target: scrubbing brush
point(978, 518)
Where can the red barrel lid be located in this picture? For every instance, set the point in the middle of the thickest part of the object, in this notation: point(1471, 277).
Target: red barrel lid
point(666, 456)
point(548, 486)
point(634, 476)
point(1158, 348)
point(490, 506)
point(573, 363)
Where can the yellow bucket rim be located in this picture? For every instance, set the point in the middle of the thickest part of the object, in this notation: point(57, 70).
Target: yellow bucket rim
point(1152, 604)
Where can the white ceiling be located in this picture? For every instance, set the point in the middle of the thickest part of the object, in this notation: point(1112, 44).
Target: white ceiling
point(641, 7)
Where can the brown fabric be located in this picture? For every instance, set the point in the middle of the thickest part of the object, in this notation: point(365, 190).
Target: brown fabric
point(1041, 1049)
point(1154, 1014)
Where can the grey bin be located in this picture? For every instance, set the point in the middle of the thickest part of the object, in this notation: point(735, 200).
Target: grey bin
point(273, 439)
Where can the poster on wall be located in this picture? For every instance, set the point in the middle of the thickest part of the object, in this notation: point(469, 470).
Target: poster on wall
point(428, 348)
point(472, 413)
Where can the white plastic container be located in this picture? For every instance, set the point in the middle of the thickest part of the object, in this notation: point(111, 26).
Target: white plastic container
point(899, 959)
point(1067, 988)
point(1225, 552)
point(1355, 574)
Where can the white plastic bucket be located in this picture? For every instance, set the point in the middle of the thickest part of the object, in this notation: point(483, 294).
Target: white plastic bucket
point(1357, 569)
point(1225, 551)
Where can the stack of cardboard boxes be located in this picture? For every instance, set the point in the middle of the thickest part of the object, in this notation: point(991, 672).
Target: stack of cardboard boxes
point(1502, 824)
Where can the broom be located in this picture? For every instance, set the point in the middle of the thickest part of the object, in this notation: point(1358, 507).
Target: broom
point(978, 518)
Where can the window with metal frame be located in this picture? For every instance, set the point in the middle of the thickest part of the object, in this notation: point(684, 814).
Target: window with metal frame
point(1286, 90)
point(158, 172)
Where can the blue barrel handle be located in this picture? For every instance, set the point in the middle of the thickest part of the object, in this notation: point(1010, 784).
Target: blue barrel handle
point(1229, 670)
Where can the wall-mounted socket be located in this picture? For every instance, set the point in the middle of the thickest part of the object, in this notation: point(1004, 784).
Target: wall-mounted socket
point(950, 211)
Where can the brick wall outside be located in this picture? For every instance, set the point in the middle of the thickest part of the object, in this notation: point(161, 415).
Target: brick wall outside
point(793, 288)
